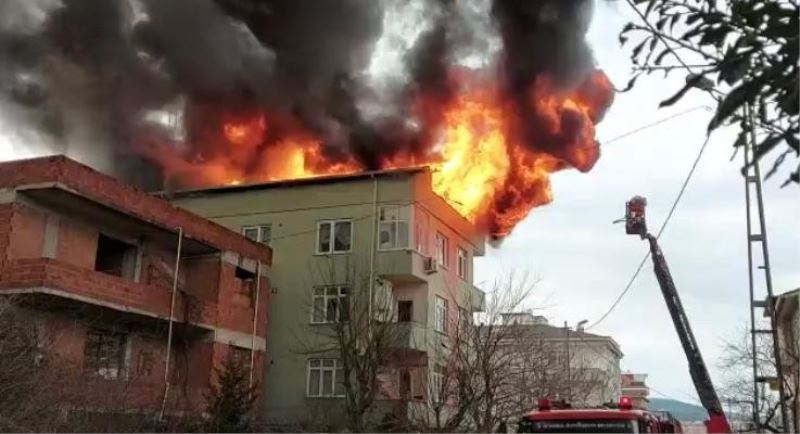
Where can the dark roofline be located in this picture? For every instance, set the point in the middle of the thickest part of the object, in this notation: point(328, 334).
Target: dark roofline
point(557, 334)
point(324, 179)
point(61, 172)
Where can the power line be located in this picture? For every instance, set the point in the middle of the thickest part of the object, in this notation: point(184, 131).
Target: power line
point(615, 362)
point(658, 235)
point(688, 396)
point(352, 219)
point(653, 124)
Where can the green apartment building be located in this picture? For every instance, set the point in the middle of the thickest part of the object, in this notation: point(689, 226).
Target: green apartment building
point(387, 225)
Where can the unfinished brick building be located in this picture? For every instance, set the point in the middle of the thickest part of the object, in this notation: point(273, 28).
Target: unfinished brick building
point(91, 261)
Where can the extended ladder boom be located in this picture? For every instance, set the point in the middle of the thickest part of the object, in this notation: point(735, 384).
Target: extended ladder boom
point(635, 224)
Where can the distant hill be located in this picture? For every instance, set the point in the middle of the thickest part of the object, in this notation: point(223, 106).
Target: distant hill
point(682, 411)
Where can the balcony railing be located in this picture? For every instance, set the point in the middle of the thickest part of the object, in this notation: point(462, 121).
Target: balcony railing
point(56, 278)
point(410, 335)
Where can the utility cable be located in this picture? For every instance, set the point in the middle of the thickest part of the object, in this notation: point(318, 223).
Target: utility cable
point(653, 124)
point(658, 235)
point(615, 362)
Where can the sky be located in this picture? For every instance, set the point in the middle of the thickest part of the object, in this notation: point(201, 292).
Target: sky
point(583, 261)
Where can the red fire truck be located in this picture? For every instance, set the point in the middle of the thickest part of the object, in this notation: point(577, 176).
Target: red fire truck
point(559, 418)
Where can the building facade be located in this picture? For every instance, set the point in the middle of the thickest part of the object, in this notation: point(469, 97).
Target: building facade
point(560, 363)
point(787, 318)
point(90, 264)
point(635, 387)
point(388, 227)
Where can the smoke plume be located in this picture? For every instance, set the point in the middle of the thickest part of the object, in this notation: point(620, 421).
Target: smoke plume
point(139, 88)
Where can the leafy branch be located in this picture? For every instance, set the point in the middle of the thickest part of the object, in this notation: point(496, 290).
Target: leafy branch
point(745, 54)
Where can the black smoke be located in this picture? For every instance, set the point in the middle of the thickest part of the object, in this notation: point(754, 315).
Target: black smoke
point(87, 70)
point(543, 40)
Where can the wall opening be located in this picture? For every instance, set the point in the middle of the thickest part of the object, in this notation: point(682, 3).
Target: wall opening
point(404, 310)
point(115, 257)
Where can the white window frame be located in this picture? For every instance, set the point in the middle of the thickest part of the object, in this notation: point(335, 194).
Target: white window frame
point(441, 249)
point(395, 224)
point(436, 382)
point(321, 293)
point(260, 231)
point(334, 369)
point(332, 250)
point(421, 223)
point(462, 262)
point(440, 314)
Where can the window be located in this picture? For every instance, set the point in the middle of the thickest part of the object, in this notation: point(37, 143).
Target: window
point(404, 383)
point(461, 265)
point(334, 236)
point(404, 310)
point(239, 357)
point(441, 249)
point(144, 367)
point(115, 257)
point(421, 231)
point(393, 227)
point(440, 316)
point(260, 234)
point(104, 354)
point(329, 304)
point(325, 378)
point(437, 380)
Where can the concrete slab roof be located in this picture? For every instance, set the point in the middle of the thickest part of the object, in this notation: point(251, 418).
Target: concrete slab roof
point(54, 176)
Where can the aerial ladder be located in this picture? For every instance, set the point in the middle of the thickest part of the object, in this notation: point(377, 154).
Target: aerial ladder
point(635, 224)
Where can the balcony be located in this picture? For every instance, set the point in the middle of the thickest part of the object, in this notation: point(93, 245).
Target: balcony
point(66, 283)
point(410, 336)
point(402, 266)
point(473, 294)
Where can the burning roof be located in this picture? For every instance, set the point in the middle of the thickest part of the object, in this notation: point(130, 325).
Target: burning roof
point(492, 95)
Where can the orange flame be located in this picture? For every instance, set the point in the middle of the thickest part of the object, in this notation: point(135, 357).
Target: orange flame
point(478, 164)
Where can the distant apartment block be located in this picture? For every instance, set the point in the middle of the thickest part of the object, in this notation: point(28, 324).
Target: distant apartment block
point(635, 387)
point(560, 363)
point(92, 263)
point(389, 225)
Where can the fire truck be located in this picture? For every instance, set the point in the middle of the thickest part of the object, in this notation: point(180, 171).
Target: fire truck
point(625, 418)
point(558, 417)
point(635, 224)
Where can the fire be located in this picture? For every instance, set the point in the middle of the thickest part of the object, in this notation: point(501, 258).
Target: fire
point(473, 160)
point(245, 132)
point(482, 158)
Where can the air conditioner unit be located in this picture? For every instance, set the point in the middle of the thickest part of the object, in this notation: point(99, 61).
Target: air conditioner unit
point(429, 265)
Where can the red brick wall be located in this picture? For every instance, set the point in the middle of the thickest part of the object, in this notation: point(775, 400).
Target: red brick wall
point(202, 278)
point(127, 199)
point(6, 211)
point(193, 360)
point(235, 309)
point(77, 244)
point(27, 233)
point(65, 338)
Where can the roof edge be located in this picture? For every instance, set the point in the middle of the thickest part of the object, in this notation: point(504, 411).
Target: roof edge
point(322, 179)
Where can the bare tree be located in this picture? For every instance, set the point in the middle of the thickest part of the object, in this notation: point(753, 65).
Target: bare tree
point(42, 391)
point(19, 376)
point(356, 311)
point(737, 387)
point(544, 368)
point(473, 390)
